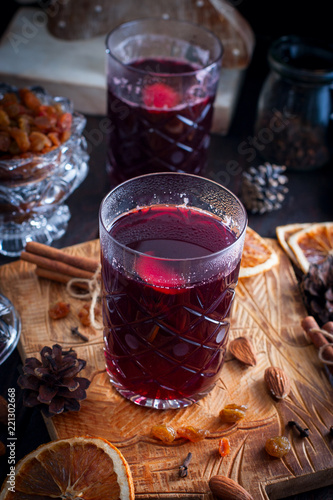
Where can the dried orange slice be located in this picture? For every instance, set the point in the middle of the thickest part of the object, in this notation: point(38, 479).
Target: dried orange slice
point(313, 244)
point(283, 234)
point(258, 256)
point(79, 467)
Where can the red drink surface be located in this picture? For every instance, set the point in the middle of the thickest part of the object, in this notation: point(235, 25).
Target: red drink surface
point(155, 127)
point(166, 339)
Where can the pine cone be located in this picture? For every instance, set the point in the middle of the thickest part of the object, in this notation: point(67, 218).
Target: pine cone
point(52, 383)
point(264, 188)
point(317, 288)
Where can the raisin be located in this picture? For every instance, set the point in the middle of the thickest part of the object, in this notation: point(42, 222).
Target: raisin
point(21, 138)
point(28, 124)
point(29, 99)
point(4, 119)
point(192, 433)
point(84, 316)
point(59, 310)
point(224, 447)
point(39, 141)
point(165, 433)
point(233, 413)
point(277, 446)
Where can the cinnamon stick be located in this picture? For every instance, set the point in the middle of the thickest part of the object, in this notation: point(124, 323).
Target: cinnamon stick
point(59, 277)
point(56, 266)
point(318, 339)
point(61, 256)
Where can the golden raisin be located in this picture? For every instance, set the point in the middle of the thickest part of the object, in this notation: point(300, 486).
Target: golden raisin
point(21, 138)
point(29, 99)
point(39, 141)
point(59, 310)
point(84, 315)
point(28, 124)
point(233, 413)
point(224, 447)
point(192, 433)
point(277, 446)
point(164, 432)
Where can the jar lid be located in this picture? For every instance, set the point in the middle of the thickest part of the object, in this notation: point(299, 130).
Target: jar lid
point(302, 58)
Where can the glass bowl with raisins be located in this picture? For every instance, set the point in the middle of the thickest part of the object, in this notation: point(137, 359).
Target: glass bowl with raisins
point(43, 159)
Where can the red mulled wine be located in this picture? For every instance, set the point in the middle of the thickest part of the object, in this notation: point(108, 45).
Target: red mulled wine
point(159, 124)
point(165, 338)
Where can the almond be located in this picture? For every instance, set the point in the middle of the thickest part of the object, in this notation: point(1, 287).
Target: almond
point(277, 382)
point(225, 488)
point(242, 348)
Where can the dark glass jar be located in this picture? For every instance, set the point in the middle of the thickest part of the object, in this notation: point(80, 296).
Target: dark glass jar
point(294, 107)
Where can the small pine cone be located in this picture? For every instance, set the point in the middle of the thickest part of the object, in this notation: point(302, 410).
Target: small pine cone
point(317, 288)
point(264, 188)
point(52, 384)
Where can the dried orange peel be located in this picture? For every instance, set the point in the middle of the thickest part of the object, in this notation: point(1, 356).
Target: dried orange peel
point(258, 256)
point(306, 243)
point(79, 467)
point(284, 233)
point(312, 245)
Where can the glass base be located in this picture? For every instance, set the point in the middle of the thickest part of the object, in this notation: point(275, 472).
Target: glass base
point(158, 404)
point(10, 328)
point(41, 228)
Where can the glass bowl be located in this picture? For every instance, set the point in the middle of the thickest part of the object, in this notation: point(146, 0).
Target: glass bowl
point(10, 328)
point(33, 189)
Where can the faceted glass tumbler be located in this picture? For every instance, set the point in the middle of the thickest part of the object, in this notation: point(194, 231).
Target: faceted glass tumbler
point(162, 77)
point(33, 189)
point(166, 320)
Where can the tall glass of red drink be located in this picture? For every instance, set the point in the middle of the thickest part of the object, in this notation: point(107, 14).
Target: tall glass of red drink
point(171, 246)
point(162, 76)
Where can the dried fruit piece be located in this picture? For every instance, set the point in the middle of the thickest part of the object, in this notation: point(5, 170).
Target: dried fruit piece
point(83, 466)
point(84, 315)
point(191, 433)
point(39, 141)
point(59, 310)
point(277, 382)
point(226, 488)
point(224, 447)
point(233, 413)
point(283, 234)
point(257, 256)
point(27, 123)
point(164, 432)
point(312, 244)
point(277, 446)
point(242, 348)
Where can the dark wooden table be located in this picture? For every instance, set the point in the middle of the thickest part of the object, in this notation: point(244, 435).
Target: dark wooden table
point(310, 199)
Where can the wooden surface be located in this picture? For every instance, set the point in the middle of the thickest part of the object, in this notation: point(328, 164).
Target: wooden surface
point(268, 308)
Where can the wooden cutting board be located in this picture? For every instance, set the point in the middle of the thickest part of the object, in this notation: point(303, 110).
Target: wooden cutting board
point(268, 308)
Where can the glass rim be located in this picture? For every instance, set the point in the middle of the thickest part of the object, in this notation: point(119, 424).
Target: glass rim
point(129, 66)
point(210, 256)
point(317, 47)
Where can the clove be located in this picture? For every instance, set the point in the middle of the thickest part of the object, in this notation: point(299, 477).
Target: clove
point(75, 331)
point(302, 432)
point(183, 469)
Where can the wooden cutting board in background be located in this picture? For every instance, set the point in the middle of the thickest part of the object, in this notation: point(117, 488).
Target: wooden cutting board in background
point(31, 55)
point(268, 308)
